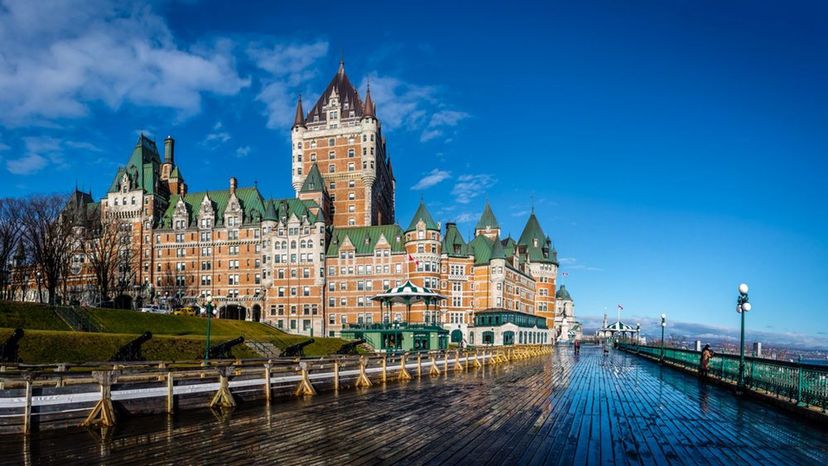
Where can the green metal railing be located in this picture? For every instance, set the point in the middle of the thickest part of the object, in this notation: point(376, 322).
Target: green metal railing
point(804, 384)
point(76, 319)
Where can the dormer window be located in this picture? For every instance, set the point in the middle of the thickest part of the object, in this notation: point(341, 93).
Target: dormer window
point(332, 115)
point(535, 242)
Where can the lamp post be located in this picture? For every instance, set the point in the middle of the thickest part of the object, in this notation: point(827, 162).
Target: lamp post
point(39, 292)
point(663, 326)
point(742, 307)
point(209, 319)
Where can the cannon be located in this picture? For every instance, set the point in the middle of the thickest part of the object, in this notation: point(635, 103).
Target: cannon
point(8, 350)
point(296, 350)
point(224, 350)
point(350, 347)
point(132, 350)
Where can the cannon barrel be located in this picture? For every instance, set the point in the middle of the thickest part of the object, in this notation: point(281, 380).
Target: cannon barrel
point(132, 350)
point(8, 350)
point(350, 347)
point(224, 350)
point(297, 350)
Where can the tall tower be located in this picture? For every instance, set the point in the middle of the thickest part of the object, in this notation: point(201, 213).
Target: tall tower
point(342, 135)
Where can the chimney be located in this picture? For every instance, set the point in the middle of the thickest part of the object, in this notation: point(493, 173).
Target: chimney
point(182, 189)
point(169, 150)
point(233, 185)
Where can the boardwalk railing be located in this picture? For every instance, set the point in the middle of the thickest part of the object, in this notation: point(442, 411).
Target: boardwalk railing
point(53, 396)
point(804, 384)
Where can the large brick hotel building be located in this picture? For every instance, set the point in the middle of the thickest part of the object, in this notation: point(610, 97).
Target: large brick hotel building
point(309, 264)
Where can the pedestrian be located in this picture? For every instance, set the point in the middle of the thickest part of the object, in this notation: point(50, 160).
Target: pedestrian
point(577, 346)
point(706, 356)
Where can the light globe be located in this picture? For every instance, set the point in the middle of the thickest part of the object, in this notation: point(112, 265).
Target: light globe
point(746, 307)
point(743, 288)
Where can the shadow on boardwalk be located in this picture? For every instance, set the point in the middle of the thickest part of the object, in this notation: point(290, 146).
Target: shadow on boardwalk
point(564, 409)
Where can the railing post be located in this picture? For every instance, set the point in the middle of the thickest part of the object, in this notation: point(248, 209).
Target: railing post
point(103, 413)
point(27, 411)
point(477, 363)
point(170, 393)
point(445, 362)
point(362, 381)
point(267, 387)
point(305, 387)
point(799, 389)
point(403, 373)
point(336, 375)
point(223, 398)
point(383, 376)
point(457, 366)
point(435, 371)
point(419, 365)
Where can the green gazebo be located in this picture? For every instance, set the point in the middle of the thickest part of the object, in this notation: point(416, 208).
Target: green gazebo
point(402, 336)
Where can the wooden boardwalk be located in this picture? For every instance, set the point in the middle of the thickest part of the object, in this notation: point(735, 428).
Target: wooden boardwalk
point(562, 409)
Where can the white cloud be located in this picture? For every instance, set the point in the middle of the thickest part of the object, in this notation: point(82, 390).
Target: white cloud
point(40, 152)
point(83, 146)
point(242, 151)
point(413, 107)
point(217, 137)
point(440, 121)
point(289, 66)
point(431, 178)
point(465, 217)
point(60, 57)
point(469, 187)
point(571, 263)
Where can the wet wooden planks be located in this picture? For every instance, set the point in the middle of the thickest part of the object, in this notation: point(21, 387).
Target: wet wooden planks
point(563, 409)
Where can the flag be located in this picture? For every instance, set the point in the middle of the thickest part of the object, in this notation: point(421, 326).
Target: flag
point(412, 259)
point(565, 274)
point(620, 307)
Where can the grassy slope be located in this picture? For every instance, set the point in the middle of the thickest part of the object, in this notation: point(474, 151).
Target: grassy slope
point(47, 338)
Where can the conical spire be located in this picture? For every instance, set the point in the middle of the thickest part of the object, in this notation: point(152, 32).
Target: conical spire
point(299, 119)
point(341, 70)
point(498, 251)
point(424, 215)
point(487, 219)
point(313, 182)
point(369, 109)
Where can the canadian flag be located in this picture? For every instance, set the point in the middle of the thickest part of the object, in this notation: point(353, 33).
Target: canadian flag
point(412, 259)
point(565, 274)
point(620, 307)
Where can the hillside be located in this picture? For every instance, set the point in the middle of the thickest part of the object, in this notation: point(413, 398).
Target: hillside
point(49, 339)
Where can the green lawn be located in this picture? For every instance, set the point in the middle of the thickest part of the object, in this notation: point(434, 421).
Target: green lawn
point(49, 339)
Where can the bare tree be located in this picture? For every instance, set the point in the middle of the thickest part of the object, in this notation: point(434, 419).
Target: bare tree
point(102, 246)
point(10, 227)
point(49, 239)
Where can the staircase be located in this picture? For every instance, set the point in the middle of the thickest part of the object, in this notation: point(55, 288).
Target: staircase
point(75, 319)
point(267, 350)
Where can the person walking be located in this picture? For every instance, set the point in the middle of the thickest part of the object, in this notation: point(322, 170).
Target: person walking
point(577, 346)
point(704, 363)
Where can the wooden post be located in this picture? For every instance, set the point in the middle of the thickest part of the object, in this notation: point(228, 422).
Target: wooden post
point(170, 393)
point(305, 387)
point(2, 383)
point(102, 414)
point(457, 365)
point(419, 365)
point(223, 398)
point(362, 381)
point(477, 363)
point(445, 362)
point(267, 380)
point(403, 372)
point(383, 374)
point(336, 375)
point(435, 371)
point(162, 377)
point(27, 411)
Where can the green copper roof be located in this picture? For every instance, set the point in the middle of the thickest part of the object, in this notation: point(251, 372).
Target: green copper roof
point(365, 239)
point(481, 247)
point(143, 168)
point(534, 240)
point(270, 212)
point(250, 201)
point(313, 182)
point(498, 251)
point(487, 219)
point(422, 214)
point(563, 294)
point(287, 208)
point(453, 243)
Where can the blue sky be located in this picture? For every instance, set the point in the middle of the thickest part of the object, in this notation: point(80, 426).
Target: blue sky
point(672, 149)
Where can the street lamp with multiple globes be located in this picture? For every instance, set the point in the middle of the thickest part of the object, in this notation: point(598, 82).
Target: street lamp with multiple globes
point(742, 307)
point(663, 326)
point(209, 308)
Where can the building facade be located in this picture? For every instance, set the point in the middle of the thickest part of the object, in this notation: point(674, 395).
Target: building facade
point(309, 264)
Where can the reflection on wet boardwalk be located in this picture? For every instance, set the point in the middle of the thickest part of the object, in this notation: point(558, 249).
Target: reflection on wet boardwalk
point(562, 409)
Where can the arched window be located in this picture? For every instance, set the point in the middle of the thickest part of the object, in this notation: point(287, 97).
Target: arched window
point(293, 244)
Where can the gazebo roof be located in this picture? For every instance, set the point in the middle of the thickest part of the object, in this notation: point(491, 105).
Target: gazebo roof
point(408, 293)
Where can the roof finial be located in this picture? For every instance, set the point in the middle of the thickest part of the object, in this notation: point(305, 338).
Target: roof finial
point(342, 63)
point(533, 203)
